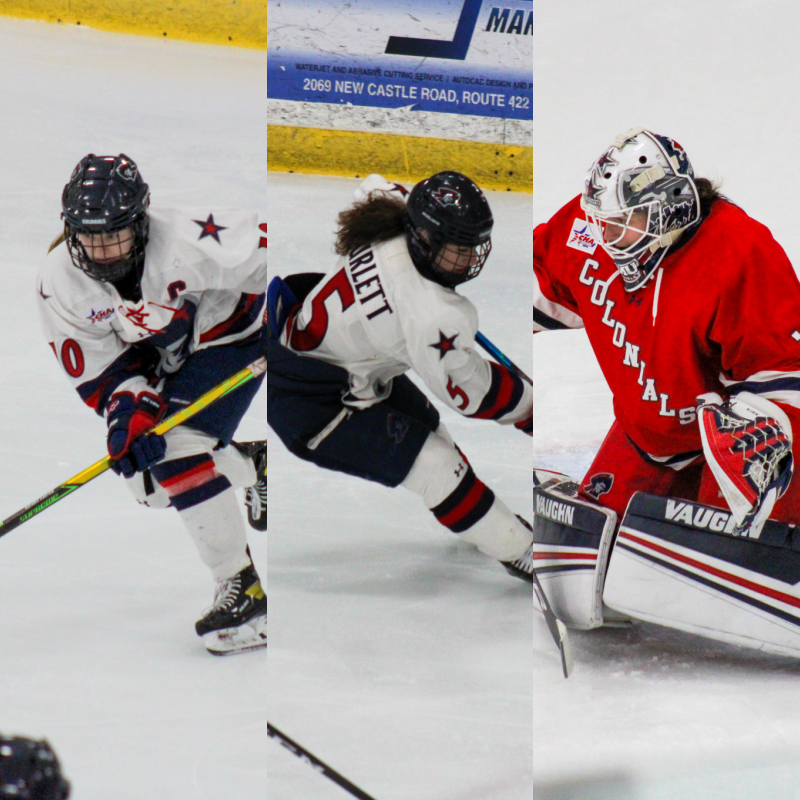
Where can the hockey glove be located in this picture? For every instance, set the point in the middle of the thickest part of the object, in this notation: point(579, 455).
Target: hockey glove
point(747, 441)
point(129, 445)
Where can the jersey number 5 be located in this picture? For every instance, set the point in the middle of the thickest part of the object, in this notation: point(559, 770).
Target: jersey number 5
point(457, 393)
point(314, 333)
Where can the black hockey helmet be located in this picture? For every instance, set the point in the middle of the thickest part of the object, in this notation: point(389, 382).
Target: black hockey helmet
point(448, 209)
point(105, 195)
point(29, 770)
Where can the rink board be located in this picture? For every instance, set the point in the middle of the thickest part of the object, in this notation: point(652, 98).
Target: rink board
point(402, 158)
point(403, 87)
point(241, 23)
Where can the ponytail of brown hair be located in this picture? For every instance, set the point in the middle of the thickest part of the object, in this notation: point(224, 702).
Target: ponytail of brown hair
point(376, 219)
point(708, 191)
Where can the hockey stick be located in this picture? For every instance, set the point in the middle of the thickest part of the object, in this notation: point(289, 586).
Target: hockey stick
point(503, 359)
point(313, 761)
point(558, 629)
point(256, 368)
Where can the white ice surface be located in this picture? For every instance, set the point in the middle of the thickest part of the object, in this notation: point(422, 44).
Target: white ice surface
point(397, 655)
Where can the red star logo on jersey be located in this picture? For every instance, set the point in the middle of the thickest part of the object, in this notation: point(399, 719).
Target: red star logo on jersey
point(210, 228)
point(444, 345)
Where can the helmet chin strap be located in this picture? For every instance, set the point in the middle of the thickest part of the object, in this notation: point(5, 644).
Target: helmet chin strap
point(669, 238)
point(627, 136)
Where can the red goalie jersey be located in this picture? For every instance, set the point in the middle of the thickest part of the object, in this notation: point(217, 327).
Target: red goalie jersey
point(721, 314)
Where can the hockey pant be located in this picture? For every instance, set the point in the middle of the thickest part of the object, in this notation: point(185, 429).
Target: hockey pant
point(398, 441)
point(620, 468)
point(202, 469)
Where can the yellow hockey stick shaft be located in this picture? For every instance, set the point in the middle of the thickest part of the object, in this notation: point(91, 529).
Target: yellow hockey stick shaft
point(253, 370)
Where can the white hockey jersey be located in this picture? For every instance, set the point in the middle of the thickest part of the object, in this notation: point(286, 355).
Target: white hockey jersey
point(203, 285)
point(377, 317)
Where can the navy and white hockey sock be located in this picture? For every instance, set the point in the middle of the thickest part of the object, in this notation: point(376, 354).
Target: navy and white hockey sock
point(208, 506)
point(460, 501)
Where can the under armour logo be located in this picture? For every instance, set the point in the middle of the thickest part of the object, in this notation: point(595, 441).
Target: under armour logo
point(397, 427)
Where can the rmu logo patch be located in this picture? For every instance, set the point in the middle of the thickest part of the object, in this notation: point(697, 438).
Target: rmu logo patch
point(445, 196)
point(600, 483)
point(580, 238)
point(127, 171)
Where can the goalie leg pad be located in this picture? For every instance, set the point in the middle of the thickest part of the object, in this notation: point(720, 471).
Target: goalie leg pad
point(679, 564)
point(571, 541)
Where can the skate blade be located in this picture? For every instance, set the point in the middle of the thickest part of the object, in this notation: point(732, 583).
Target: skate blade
point(230, 641)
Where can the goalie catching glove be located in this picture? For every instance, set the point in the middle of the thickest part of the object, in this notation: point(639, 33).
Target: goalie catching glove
point(747, 441)
point(129, 419)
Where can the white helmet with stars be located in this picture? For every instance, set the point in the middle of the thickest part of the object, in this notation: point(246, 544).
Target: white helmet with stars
point(640, 196)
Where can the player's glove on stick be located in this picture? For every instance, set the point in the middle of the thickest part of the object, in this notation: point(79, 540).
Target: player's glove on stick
point(747, 441)
point(129, 418)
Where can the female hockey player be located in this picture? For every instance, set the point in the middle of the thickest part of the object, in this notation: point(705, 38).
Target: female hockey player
point(693, 312)
point(683, 296)
point(145, 311)
point(339, 345)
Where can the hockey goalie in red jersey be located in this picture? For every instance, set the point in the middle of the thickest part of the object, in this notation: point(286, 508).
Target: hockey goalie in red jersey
point(693, 312)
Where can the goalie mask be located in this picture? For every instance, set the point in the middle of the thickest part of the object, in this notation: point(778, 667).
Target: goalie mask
point(105, 217)
point(640, 196)
point(448, 228)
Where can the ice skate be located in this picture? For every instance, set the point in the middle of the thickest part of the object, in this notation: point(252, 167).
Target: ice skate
point(255, 497)
point(238, 619)
point(522, 568)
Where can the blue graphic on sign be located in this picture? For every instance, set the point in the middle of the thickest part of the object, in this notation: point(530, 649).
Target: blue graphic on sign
point(337, 79)
point(418, 74)
point(437, 48)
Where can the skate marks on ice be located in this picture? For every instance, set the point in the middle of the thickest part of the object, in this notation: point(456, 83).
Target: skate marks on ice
point(648, 652)
point(390, 636)
point(656, 714)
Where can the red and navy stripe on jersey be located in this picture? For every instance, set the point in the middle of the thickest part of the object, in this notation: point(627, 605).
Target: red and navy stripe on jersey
point(774, 385)
point(547, 322)
point(247, 311)
point(96, 392)
point(504, 394)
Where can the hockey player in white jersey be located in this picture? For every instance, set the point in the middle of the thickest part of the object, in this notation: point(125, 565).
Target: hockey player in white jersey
point(339, 346)
point(145, 311)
